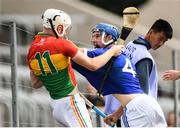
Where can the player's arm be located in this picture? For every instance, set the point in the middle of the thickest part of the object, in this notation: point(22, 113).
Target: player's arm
point(114, 116)
point(96, 62)
point(171, 75)
point(36, 83)
point(81, 49)
point(143, 70)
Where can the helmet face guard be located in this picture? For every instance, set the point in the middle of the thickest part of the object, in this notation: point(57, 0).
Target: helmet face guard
point(52, 18)
point(107, 29)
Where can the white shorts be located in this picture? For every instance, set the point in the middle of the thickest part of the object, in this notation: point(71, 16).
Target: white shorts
point(71, 111)
point(143, 111)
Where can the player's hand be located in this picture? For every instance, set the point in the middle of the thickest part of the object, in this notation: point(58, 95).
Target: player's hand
point(171, 75)
point(111, 119)
point(117, 49)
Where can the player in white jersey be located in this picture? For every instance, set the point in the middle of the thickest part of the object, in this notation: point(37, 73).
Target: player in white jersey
point(138, 52)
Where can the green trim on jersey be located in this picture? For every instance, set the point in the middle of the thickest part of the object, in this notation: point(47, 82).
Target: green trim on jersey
point(58, 85)
point(43, 34)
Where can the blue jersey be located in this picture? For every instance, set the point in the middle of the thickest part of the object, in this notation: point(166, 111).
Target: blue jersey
point(121, 79)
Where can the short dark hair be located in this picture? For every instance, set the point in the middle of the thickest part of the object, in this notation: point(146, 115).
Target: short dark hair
point(161, 25)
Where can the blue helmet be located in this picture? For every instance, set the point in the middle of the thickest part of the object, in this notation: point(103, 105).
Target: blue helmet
point(108, 29)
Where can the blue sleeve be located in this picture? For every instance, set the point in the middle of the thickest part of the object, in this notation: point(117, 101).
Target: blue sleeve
point(143, 70)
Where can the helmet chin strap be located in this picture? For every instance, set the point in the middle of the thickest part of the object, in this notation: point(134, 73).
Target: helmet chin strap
point(106, 43)
point(52, 27)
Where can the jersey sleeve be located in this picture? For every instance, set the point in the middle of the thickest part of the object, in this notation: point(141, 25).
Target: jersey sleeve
point(69, 48)
point(29, 57)
point(143, 69)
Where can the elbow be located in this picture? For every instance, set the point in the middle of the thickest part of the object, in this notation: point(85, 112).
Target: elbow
point(36, 85)
point(93, 67)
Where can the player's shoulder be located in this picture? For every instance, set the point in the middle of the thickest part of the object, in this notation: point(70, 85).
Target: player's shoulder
point(62, 40)
point(98, 50)
point(92, 52)
point(122, 55)
point(65, 43)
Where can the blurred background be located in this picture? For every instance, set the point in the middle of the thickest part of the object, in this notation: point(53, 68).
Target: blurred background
point(20, 20)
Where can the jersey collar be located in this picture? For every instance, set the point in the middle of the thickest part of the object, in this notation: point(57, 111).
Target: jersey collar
point(142, 41)
point(43, 34)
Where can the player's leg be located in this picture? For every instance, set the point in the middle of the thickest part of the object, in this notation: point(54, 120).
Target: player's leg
point(134, 118)
point(71, 112)
point(157, 116)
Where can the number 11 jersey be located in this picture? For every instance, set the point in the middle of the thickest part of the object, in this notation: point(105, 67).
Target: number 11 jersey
point(49, 58)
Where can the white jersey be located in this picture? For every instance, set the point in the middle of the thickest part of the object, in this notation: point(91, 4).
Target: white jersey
point(137, 52)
